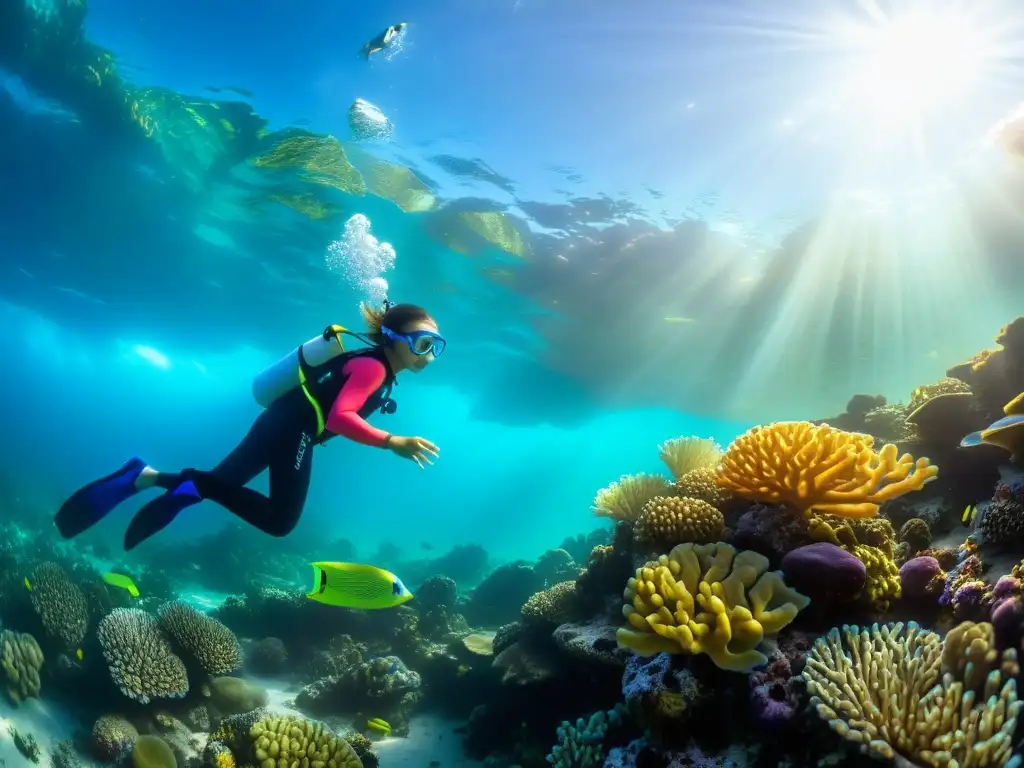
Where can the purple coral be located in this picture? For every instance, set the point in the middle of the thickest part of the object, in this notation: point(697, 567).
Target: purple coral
point(822, 570)
point(1008, 622)
point(972, 601)
point(771, 693)
point(921, 578)
point(653, 676)
point(1013, 491)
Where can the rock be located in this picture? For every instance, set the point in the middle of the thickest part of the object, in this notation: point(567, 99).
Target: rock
point(594, 641)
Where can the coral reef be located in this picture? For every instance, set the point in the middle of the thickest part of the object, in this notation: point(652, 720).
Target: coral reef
point(60, 605)
point(290, 740)
point(707, 599)
point(818, 469)
point(581, 744)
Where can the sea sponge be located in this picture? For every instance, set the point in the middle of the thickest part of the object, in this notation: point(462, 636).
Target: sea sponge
point(556, 605)
point(152, 752)
point(60, 604)
point(204, 638)
point(881, 687)
point(671, 520)
point(819, 469)
point(706, 598)
point(112, 737)
point(702, 484)
point(21, 659)
point(624, 499)
point(292, 741)
point(685, 454)
point(140, 658)
point(1001, 523)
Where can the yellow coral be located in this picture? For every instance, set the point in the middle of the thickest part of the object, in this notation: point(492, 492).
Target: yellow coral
point(625, 499)
point(705, 598)
point(669, 520)
point(685, 454)
point(969, 653)
point(702, 484)
point(286, 741)
point(882, 688)
point(224, 760)
point(819, 469)
point(883, 576)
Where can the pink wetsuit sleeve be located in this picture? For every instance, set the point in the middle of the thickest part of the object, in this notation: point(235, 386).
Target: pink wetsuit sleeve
point(365, 376)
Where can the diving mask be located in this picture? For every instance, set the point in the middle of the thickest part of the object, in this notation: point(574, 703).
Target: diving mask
point(419, 342)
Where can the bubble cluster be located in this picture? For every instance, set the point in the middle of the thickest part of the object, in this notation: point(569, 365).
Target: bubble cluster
point(361, 259)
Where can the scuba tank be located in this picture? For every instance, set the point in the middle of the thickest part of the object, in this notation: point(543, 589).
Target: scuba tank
point(277, 380)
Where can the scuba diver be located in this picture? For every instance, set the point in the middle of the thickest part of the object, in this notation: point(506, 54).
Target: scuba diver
point(312, 394)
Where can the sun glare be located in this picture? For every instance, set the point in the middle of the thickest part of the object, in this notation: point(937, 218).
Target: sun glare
point(909, 65)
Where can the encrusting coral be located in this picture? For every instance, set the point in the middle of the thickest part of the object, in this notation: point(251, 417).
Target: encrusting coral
point(706, 598)
point(140, 658)
point(625, 499)
point(686, 454)
point(21, 659)
point(882, 687)
point(818, 469)
point(204, 638)
point(671, 520)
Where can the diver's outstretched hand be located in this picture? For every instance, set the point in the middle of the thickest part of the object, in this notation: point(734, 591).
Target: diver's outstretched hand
point(418, 449)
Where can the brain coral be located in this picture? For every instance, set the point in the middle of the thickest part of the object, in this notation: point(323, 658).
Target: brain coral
point(21, 659)
point(140, 658)
point(60, 605)
point(291, 741)
point(705, 598)
point(204, 638)
point(819, 469)
point(669, 520)
point(701, 484)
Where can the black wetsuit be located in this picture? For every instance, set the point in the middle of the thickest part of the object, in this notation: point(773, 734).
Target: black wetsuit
point(281, 440)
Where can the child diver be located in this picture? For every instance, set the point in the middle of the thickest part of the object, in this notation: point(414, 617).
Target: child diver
point(313, 394)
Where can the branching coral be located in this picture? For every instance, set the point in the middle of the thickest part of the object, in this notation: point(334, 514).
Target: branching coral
point(819, 469)
point(625, 499)
point(670, 520)
point(969, 653)
point(581, 744)
point(21, 659)
point(706, 598)
point(211, 643)
point(685, 454)
point(882, 687)
point(140, 658)
point(60, 605)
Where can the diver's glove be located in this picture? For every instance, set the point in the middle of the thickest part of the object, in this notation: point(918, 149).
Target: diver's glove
point(417, 449)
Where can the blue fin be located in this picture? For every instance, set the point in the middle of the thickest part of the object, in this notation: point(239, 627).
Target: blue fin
point(91, 503)
point(971, 440)
point(159, 513)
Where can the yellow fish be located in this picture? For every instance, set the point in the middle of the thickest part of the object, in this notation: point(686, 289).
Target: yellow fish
point(28, 584)
point(969, 514)
point(122, 581)
point(678, 319)
point(352, 585)
point(378, 726)
point(79, 655)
